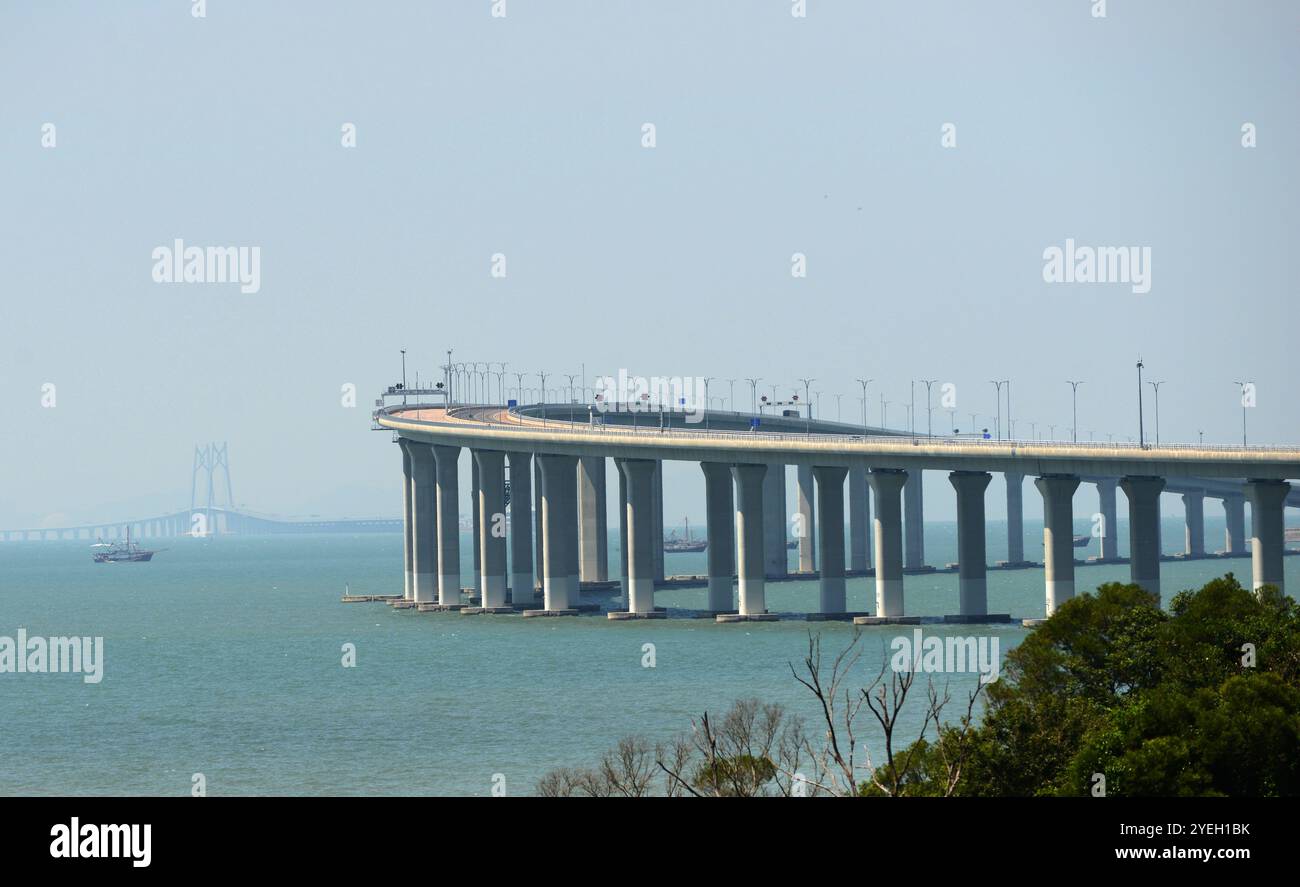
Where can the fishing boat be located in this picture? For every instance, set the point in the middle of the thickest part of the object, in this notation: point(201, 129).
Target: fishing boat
point(672, 543)
point(119, 552)
point(1082, 541)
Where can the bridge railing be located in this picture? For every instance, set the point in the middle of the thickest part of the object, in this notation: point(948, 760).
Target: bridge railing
point(533, 423)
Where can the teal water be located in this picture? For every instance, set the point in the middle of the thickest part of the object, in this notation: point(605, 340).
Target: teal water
point(222, 657)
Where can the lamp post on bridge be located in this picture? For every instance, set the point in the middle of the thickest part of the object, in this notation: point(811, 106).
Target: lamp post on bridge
point(808, 398)
point(403, 377)
point(1074, 385)
point(1242, 386)
point(753, 394)
point(707, 405)
point(1156, 387)
point(1141, 428)
point(542, 375)
point(929, 410)
point(731, 398)
point(863, 383)
point(997, 385)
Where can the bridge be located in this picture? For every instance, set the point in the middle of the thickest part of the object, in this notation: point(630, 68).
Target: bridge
point(205, 517)
point(555, 455)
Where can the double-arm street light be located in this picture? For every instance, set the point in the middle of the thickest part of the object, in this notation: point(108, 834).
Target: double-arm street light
point(1074, 385)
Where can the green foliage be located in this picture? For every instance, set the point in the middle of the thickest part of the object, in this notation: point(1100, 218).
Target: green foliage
point(1160, 703)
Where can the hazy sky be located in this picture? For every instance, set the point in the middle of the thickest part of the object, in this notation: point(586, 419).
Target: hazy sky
point(522, 135)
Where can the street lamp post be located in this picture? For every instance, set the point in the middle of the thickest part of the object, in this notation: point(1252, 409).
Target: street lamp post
point(863, 383)
point(403, 377)
point(753, 394)
point(1074, 385)
point(807, 394)
point(1242, 387)
point(542, 375)
point(1156, 387)
point(1141, 428)
point(929, 417)
point(997, 385)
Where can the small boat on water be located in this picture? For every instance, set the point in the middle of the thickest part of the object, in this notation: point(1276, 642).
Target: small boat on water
point(119, 552)
point(1082, 541)
point(672, 543)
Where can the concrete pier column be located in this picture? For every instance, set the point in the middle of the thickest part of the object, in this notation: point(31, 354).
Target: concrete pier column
point(859, 519)
point(1234, 529)
point(448, 525)
point(424, 522)
point(1144, 530)
point(807, 534)
point(657, 542)
point(593, 538)
point(475, 522)
point(537, 521)
point(521, 529)
point(721, 513)
point(1109, 521)
point(972, 553)
point(1267, 534)
point(1058, 536)
point(1015, 517)
point(638, 475)
point(622, 532)
point(830, 553)
point(492, 526)
point(1194, 534)
point(887, 528)
point(408, 523)
point(776, 560)
point(559, 531)
point(749, 538)
point(914, 514)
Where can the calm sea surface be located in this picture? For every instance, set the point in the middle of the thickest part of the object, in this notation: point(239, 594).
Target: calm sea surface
point(222, 657)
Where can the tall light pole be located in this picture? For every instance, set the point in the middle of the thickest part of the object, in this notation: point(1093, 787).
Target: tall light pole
point(863, 383)
point(519, 385)
point(1074, 385)
point(1011, 428)
point(707, 406)
point(753, 394)
point(929, 418)
point(997, 384)
point(1156, 387)
point(1242, 387)
point(807, 394)
point(884, 411)
point(731, 398)
point(542, 375)
point(838, 414)
point(1141, 429)
point(403, 377)
point(447, 373)
point(571, 377)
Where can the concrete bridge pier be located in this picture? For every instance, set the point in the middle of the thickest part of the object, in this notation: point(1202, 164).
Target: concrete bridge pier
point(1109, 521)
point(492, 538)
point(1144, 530)
point(639, 475)
point(448, 525)
point(521, 529)
point(750, 539)
point(859, 520)
point(622, 530)
point(1268, 534)
point(1234, 530)
point(559, 533)
point(830, 554)
point(807, 536)
point(972, 575)
point(775, 521)
point(424, 522)
point(476, 520)
point(1058, 536)
point(1194, 534)
point(408, 523)
point(657, 530)
point(914, 513)
point(1015, 517)
point(593, 539)
point(721, 513)
point(886, 490)
point(538, 572)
